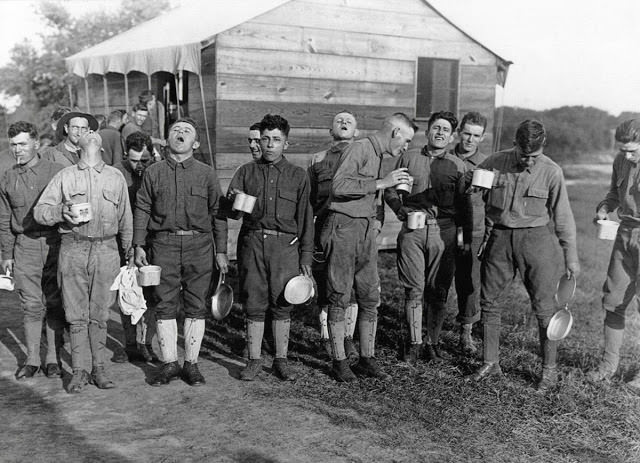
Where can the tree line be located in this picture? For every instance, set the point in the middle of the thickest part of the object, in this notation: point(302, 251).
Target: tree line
point(572, 131)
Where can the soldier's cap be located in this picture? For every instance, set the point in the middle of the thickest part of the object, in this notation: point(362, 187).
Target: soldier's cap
point(64, 120)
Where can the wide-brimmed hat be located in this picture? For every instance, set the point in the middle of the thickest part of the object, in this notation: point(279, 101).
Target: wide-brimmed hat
point(93, 123)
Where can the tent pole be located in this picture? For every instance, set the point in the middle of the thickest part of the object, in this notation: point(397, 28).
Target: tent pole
point(148, 81)
point(106, 94)
point(126, 93)
point(86, 92)
point(70, 95)
point(206, 123)
point(175, 77)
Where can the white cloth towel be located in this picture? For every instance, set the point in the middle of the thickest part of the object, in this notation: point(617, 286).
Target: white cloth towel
point(130, 297)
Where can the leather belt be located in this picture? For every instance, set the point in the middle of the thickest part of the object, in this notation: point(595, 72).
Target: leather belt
point(265, 231)
point(179, 233)
point(92, 239)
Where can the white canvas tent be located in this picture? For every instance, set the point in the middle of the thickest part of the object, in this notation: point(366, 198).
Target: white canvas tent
point(171, 42)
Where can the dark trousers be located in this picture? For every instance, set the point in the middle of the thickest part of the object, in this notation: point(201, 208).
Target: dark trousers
point(267, 263)
point(426, 262)
point(187, 262)
point(531, 252)
point(352, 258)
point(468, 282)
point(621, 286)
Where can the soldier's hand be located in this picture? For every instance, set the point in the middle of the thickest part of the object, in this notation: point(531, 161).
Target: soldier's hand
point(481, 250)
point(6, 265)
point(69, 215)
point(306, 270)
point(140, 257)
point(601, 214)
point(573, 269)
point(129, 256)
point(222, 261)
point(393, 178)
point(403, 213)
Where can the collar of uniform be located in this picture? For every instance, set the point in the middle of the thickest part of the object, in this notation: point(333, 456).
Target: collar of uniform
point(377, 144)
point(184, 164)
point(425, 152)
point(280, 165)
point(338, 147)
point(22, 169)
point(83, 165)
point(473, 159)
point(70, 148)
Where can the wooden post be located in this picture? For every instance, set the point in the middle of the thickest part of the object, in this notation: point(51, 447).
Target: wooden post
point(86, 92)
point(206, 123)
point(106, 95)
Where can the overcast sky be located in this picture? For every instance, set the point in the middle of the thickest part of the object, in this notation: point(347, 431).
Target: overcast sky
point(565, 52)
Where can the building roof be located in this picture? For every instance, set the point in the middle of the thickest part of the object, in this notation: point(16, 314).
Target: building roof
point(165, 44)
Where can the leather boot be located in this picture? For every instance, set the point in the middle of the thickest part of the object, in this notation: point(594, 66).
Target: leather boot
point(368, 366)
point(490, 351)
point(436, 312)
point(252, 370)
point(413, 313)
point(336, 335)
point(613, 338)
point(549, 355)
point(413, 355)
point(99, 378)
point(191, 374)
point(634, 384)
point(466, 342)
point(432, 353)
point(342, 372)
point(78, 381)
point(282, 369)
point(168, 372)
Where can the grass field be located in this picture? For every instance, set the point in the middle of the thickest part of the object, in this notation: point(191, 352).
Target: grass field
point(432, 413)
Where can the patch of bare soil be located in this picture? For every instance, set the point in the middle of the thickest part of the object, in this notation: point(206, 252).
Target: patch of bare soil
point(226, 420)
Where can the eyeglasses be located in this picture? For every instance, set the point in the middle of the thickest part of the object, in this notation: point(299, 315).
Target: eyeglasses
point(77, 128)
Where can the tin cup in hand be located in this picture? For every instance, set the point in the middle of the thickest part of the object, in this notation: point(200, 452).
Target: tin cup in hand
point(482, 178)
point(82, 211)
point(416, 220)
point(405, 186)
point(244, 202)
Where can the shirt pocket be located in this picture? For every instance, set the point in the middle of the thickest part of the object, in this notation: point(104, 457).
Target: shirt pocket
point(535, 202)
point(109, 209)
point(198, 205)
point(497, 196)
point(287, 203)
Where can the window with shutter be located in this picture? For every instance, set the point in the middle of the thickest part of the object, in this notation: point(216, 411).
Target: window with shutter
point(437, 86)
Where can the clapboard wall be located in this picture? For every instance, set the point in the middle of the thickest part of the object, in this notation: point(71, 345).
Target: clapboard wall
point(307, 60)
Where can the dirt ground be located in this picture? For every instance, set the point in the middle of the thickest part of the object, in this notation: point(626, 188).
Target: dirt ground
point(226, 420)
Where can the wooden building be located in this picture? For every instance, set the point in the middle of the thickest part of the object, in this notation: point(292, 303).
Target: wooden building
point(226, 64)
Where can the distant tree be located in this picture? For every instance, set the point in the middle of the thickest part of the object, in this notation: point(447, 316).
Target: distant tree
point(572, 131)
point(39, 77)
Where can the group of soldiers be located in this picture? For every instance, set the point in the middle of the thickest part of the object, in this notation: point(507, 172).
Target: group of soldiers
point(322, 222)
